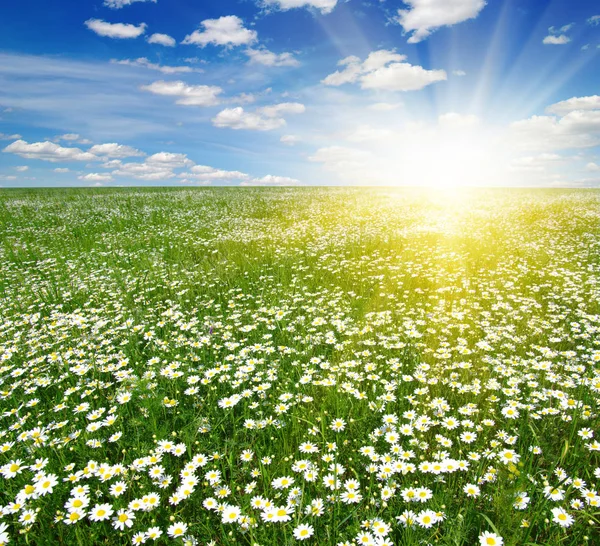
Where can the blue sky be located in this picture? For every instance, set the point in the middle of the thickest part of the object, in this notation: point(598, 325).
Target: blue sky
point(280, 92)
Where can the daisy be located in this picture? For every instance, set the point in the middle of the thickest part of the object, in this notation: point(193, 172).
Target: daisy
point(490, 539)
point(74, 516)
point(101, 512)
point(302, 532)
point(561, 517)
point(230, 514)
point(124, 518)
point(153, 533)
point(118, 488)
point(45, 484)
point(427, 518)
point(178, 529)
point(472, 490)
point(139, 538)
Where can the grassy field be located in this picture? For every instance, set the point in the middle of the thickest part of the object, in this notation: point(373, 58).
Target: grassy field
point(271, 366)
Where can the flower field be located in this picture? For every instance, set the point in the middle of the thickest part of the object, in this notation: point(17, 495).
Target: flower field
point(328, 366)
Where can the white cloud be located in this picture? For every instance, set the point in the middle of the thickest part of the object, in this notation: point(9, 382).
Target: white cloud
point(115, 30)
point(325, 6)
point(271, 180)
point(401, 77)
point(96, 177)
point(575, 103)
point(594, 20)
point(592, 167)
point(562, 39)
point(22, 168)
point(459, 73)
point(114, 150)
point(4, 136)
point(48, 151)
point(349, 74)
point(425, 16)
point(187, 95)
point(558, 36)
point(7, 177)
point(210, 174)
point(161, 39)
point(384, 70)
point(169, 160)
point(144, 62)
point(62, 170)
point(384, 106)
point(118, 4)
point(266, 118)
point(577, 129)
point(289, 140)
point(144, 171)
point(268, 58)
point(224, 31)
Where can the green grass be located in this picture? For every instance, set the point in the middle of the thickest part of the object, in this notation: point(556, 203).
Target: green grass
point(415, 317)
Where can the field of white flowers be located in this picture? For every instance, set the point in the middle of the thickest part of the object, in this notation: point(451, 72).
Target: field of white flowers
point(273, 366)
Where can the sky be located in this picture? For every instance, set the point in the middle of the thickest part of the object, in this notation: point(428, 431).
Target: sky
point(436, 93)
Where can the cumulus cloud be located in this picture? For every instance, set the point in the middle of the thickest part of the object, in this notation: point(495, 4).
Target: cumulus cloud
point(562, 39)
point(224, 31)
point(384, 70)
point(118, 4)
point(22, 168)
point(266, 118)
point(114, 150)
point(145, 63)
point(5, 136)
point(594, 20)
point(558, 36)
point(169, 160)
point(592, 167)
point(159, 166)
point(271, 180)
point(96, 177)
point(210, 174)
point(187, 95)
point(161, 39)
point(324, 6)
point(48, 151)
point(576, 129)
point(425, 16)
point(574, 103)
point(144, 171)
point(115, 30)
point(268, 58)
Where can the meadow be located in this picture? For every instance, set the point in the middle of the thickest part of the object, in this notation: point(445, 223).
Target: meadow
point(328, 366)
